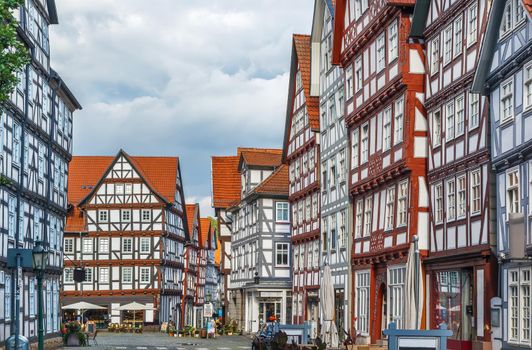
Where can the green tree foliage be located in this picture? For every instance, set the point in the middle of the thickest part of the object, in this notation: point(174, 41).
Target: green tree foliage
point(14, 55)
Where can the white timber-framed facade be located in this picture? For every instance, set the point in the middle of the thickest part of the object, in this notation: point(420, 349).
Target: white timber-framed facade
point(35, 149)
point(127, 228)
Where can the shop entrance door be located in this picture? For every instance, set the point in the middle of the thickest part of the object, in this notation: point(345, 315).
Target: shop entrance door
point(339, 307)
point(269, 309)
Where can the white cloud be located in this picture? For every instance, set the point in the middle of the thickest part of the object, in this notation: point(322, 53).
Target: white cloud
point(172, 77)
point(204, 203)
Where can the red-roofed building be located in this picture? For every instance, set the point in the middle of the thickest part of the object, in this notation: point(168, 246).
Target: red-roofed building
point(211, 246)
point(126, 228)
point(301, 152)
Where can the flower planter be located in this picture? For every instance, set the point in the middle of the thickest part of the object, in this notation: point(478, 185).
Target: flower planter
point(73, 340)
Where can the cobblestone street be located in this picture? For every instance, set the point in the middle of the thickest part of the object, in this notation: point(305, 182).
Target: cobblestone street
point(159, 341)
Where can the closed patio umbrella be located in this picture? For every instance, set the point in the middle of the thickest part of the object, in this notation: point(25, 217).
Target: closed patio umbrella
point(413, 288)
point(329, 333)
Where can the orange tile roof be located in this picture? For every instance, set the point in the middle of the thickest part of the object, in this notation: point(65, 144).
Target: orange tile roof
point(261, 157)
point(277, 183)
point(225, 181)
point(85, 172)
point(191, 216)
point(205, 228)
point(218, 251)
point(302, 45)
point(528, 6)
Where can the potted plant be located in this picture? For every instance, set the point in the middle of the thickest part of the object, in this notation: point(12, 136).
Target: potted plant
point(228, 329)
point(234, 326)
point(171, 330)
point(72, 334)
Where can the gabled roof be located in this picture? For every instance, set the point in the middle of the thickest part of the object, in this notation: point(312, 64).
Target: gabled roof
point(52, 12)
point(528, 6)
point(275, 184)
point(226, 185)
point(86, 173)
point(192, 211)
point(205, 228)
point(260, 157)
point(300, 59)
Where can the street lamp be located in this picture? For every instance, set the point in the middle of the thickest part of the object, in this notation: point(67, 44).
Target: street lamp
point(256, 278)
point(40, 261)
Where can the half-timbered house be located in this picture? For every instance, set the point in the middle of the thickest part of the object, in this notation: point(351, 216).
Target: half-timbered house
point(460, 267)
point(301, 153)
point(190, 269)
point(260, 240)
point(225, 191)
point(212, 276)
point(35, 148)
point(504, 74)
point(327, 82)
point(386, 119)
point(126, 228)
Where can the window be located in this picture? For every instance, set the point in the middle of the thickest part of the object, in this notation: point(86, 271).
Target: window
point(145, 244)
point(144, 275)
point(390, 207)
point(435, 55)
point(332, 172)
point(282, 252)
point(512, 191)
point(103, 215)
point(69, 245)
point(362, 301)
point(119, 189)
point(16, 144)
point(475, 192)
point(146, 215)
point(461, 184)
point(447, 44)
point(126, 215)
point(519, 306)
point(459, 103)
point(527, 95)
point(358, 218)
point(281, 211)
point(348, 83)
point(386, 129)
point(392, 41)
point(32, 296)
point(334, 237)
point(12, 204)
point(88, 275)
point(342, 237)
point(127, 245)
point(438, 200)
point(507, 108)
point(127, 274)
point(354, 149)
point(358, 74)
point(449, 111)
point(87, 245)
point(436, 128)
point(381, 53)
point(457, 36)
point(365, 143)
point(342, 167)
point(474, 110)
point(69, 276)
point(402, 203)
point(396, 297)
point(104, 275)
point(7, 298)
point(104, 244)
point(367, 216)
point(513, 16)
point(398, 126)
point(451, 199)
point(128, 188)
point(325, 237)
point(472, 24)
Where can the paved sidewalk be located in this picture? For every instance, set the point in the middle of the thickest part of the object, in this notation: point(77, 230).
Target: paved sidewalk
point(161, 341)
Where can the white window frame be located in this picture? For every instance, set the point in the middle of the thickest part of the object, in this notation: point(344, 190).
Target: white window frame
point(435, 55)
point(387, 128)
point(359, 218)
point(390, 208)
point(451, 199)
point(461, 196)
point(402, 204)
point(125, 215)
point(354, 149)
point(472, 24)
point(527, 86)
point(103, 277)
point(476, 192)
point(513, 200)
point(368, 217)
point(87, 245)
point(435, 117)
point(144, 274)
point(449, 119)
point(282, 250)
point(282, 207)
point(459, 116)
point(69, 245)
point(399, 120)
point(89, 275)
point(393, 49)
point(448, 44)
point(129, 245)
point(519, 305)
point(142, 244)
point(103, 245)
point(474, 111)
point(438, 203)
point(396, 278)
point(507, 100)
point(362, 292)
point(364, 141)
point(146, 215)
point(380, 44)
point(458, 36)
point(127, 277)
point(68, 275)
point(359, 78)
point(103, 215)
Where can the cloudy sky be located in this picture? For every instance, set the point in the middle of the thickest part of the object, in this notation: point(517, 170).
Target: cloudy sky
point(174, 77)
